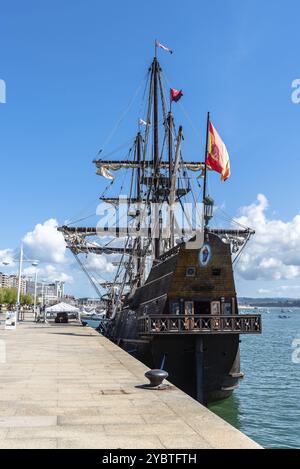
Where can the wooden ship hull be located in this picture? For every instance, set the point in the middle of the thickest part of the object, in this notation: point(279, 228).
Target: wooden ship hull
point(185, 320)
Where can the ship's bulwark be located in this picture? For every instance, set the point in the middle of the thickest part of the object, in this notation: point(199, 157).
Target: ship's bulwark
point(220, 360)
point(205, 366)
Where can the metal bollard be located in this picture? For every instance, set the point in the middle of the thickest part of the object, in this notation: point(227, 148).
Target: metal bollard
point(156, 378)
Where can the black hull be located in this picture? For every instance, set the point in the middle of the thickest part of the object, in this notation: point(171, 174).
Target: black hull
point(205, 367)
point(159, 323)
point(200, 366)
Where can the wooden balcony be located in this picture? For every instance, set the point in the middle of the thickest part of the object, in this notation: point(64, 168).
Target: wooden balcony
point(211, 324)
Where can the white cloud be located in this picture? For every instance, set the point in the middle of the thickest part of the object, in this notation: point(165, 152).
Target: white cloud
point(7, 256)
point(263, 291)
point(279, 291)
point(274, 251)
point(99, 262)
point(49, 273)
point(289, 287)
point(45, 243)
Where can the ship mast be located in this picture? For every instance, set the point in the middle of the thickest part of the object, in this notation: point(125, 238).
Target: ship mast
point(139, 200)
point(207, 201)
point(155, 72)
point(156, 172)
point(170, 158)
point(205, 157)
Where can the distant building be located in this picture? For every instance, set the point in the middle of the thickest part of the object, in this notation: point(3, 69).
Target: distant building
point(12, 281)
point(70, 299)
point(47, 293)
point(90, 302)
point(3, 280)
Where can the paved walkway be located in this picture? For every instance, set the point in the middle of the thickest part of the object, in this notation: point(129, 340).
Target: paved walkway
point(65, 386)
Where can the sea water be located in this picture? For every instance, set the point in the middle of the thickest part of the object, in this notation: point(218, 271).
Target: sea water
point(266, 407)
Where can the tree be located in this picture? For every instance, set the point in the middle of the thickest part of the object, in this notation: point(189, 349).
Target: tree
point(1, 296)
point(10, 296)
point(26, 300)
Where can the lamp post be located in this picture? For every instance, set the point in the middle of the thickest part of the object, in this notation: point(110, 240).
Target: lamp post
point(43, 298)
point(208, 209)
point(21, 261)
point(43, 285)
point(19, 284)
point(35, 264)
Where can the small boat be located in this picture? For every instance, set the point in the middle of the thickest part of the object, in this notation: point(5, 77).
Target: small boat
point(92, 317)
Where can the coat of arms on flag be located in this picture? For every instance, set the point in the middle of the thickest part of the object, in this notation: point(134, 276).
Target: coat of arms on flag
point(217, 157)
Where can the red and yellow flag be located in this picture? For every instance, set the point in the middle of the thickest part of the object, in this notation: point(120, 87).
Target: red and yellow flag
point(217, 157)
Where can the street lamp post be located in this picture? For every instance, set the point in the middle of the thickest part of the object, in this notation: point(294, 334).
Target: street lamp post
point(21, 260)
point(35, 288)
point(43, 298)
point(19, 284)
point(43, 293)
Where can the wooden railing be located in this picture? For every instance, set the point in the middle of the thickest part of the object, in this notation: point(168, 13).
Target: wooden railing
point(180, 324)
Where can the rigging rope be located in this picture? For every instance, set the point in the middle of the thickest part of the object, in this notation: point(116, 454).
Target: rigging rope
point(123, 115)
point(87, 274)
point(194, 128)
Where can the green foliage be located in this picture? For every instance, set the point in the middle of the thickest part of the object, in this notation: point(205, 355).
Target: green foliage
point(8, 296)
point(26, 300)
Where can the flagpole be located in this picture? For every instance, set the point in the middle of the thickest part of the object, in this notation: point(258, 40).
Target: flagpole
point(155, 48)
point(206, 151)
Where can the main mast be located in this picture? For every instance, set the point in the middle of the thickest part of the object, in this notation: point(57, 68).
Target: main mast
point(156, 172)
point(139, 200)
point(169, 124)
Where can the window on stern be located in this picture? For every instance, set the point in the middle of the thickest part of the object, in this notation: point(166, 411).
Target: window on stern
point(216, 272)
point(215, 308)
point(227, 308)
point(175, 308)
point(190, 271)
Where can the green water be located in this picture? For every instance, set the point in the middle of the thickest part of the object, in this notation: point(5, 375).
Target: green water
point(266, 407)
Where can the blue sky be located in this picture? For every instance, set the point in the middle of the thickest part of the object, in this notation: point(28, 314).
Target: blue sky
point(71, 67)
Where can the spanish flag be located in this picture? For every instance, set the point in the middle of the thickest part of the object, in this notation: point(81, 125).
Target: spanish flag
point(217, 157)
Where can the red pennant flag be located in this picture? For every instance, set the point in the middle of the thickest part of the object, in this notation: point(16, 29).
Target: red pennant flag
point(175, 94)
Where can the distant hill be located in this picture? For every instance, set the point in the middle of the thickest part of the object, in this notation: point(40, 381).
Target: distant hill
point(269, 302)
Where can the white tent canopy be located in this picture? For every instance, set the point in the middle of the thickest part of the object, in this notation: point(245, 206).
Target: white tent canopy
point(62, 308)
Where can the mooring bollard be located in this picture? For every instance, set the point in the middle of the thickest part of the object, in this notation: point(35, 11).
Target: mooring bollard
point(156, 378)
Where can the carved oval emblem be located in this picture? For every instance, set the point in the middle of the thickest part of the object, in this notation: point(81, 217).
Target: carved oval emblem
point(205, 255)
